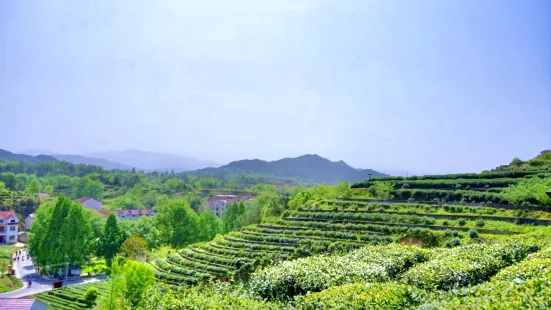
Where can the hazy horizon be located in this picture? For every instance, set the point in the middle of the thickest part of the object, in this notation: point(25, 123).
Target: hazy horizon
point(424, 86)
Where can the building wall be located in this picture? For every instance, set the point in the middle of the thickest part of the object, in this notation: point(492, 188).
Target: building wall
point(9, 230)
point(28, 222)
point(92, 204)
point(217, 206)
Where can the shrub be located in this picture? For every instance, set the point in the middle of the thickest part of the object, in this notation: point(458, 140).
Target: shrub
point(314, 274)
point(91, 295)
point(362, 296)
point(461, 222)
point(446, 223)
point(480, 223)
point(451, 233)
point(453, 242)
point(468, 265)
point(473, 233)
point(521, 286)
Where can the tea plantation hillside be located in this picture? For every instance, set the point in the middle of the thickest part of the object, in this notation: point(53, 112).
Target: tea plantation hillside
point(464, 241)
point(338, 226)
point(494, 187)
point(348, 255)
point(506, 273)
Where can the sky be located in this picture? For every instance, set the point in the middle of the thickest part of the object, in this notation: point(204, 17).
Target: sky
point(424, 86)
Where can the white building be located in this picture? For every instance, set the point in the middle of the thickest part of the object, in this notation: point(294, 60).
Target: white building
point(9, 224)
point(91, 203)
point(219, 203)
point(29, 221)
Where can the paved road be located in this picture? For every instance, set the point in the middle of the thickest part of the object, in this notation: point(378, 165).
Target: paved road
point(24, 270)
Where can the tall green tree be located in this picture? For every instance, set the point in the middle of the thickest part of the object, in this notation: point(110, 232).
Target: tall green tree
point(230, 216)
point(209, 226)
point(173, 184)
point(86, 187)
point(177, 223)
point(61, 232)
point(49, 189)
point(34, 186)
point(21, 181)
point(194, 201)
point(76, 234)
point(145, 227)
point(112, 239)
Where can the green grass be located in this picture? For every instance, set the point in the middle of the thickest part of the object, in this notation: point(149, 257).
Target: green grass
point(9, 283)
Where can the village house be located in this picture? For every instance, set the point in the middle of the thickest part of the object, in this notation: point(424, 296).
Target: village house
point(219, 203)
point(9, 224)
point(91, 203)
point(129, 214)
point(29, 221)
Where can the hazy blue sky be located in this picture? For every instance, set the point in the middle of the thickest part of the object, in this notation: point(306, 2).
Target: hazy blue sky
point(430, 86)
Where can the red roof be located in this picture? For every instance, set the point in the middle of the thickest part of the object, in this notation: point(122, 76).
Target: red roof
point(104, 212)
point(83, 199)
point(4, 215)
point(16, 303)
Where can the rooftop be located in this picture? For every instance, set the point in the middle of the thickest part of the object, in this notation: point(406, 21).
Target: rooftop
point(16, 303)
point(4, 215)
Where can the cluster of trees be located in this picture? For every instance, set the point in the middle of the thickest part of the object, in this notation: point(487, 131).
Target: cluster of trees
point(84, 180)
point(64, 231)
point(61, 232)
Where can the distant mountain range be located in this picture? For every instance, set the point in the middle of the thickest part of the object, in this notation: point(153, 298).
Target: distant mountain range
point(307, 168)
point(128, 159)
point(152, 161)
point(93, 161)
point(81, 160)
point(7, 155)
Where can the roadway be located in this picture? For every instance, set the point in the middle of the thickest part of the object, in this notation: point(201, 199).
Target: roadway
point(24, 269)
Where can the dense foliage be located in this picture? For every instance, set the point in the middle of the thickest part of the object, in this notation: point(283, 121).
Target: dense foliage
point(61, 232)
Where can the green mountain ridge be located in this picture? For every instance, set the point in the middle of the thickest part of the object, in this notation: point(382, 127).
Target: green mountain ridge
point(310, 168)
point(7, 155)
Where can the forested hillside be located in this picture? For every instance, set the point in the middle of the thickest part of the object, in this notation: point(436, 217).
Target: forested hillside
point(306, 168)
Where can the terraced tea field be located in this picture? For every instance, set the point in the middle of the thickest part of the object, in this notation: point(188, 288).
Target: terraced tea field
point(71, 297)
point(337, 226)
point(469, 187)
point(512, 273)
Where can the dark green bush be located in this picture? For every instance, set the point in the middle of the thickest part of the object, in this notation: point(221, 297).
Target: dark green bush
point(453, 242)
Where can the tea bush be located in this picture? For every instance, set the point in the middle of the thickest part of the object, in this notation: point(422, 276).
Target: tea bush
point(313, 274)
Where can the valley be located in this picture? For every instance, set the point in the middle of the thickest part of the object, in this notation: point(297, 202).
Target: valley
point(393, 241)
